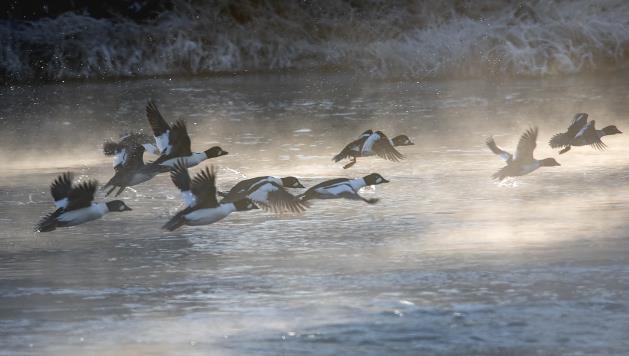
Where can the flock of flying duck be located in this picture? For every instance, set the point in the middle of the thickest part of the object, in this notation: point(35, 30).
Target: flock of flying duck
point(171, 143)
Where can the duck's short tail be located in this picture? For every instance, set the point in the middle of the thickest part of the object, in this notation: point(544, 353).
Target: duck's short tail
point(176, 222)
point(560, 140)
point(48, 223)
point(501, 174)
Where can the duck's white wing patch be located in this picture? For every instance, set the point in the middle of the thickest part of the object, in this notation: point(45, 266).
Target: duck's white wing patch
point(151, 148)
point(63, 203)
point(584, 129)
point(368, 146)
point(262, 193)
point(162, 143)
point(120, 157)
point(188, 198)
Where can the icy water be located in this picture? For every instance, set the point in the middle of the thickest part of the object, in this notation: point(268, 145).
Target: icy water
point(448, 262)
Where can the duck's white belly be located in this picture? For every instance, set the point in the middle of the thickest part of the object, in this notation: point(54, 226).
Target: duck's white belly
point(335, 190)
point(190, 161)
point(528, 168)
point(206, 216)
point(141, 177)
point(80, 216)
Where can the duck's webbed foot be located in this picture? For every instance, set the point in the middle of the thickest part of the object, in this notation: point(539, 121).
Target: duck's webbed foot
point(351, 163)
point(120, 190)
point(564, 150)
point(110, 191)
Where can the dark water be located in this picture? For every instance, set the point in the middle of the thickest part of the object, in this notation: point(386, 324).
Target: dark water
point(448, 262)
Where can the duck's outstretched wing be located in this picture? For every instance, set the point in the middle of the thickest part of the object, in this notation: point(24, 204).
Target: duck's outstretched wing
point(179, 140)
point(590, 135)
point(160, 127)
point(181, 179)
point(49, 222)
point(502, 173)
point(352, 149)
point(134, 159)
point(504, 155)
point(204, 188)
point(563, 139)
point(526, 145)
point(60, 188)
point(384, 149)
point(273, 197)
point(81, 195)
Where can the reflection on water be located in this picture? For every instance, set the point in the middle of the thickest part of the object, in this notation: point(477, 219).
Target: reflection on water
point(447, 262)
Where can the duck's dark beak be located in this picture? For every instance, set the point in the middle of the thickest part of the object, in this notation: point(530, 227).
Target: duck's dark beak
point(299, 185)
point(224, 153)
point(127, 209)
point(384, 180)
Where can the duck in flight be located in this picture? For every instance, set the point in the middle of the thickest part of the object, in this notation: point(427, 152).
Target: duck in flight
point(582, 133)
point(373, 143)
point(173, 141)
point(268, 193)
point(75, 204)
point(343, 188)
point(199, 195)
point(522, 162)
point(126, 143)
point(132, 170)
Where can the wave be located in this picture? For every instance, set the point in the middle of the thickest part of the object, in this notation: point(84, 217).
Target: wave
point(382, 39)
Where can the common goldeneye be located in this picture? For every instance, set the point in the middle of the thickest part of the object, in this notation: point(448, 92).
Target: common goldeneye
point(522, 162)
point(368, 144)
point(269, 193)
point(75, 204)
point(343, 188)
point(126, 143)
point(133, 171)
point(199, 195)
point(173, 141)
point(582, 133)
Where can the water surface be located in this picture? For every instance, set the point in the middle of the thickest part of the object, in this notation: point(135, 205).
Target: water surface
point(448, 262)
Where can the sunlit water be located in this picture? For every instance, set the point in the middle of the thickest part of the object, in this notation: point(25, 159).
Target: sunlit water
point(448, 262)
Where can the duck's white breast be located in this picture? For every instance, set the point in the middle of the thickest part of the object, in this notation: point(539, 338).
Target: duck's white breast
point(207, 216)
point(76, 217)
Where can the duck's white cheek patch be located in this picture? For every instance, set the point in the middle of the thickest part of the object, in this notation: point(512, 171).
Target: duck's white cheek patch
point(379, 180)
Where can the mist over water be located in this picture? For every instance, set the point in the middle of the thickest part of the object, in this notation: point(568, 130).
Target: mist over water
point(380, 39)
point(447, 262)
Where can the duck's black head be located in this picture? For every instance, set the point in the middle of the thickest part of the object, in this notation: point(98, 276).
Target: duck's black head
point(402, 140)
point(215, 152)
point(291, 182)
point(549, 162)
point(611, 130)
point(367, 133)
point(117, 206)
point(374, 178)
point(244, 205)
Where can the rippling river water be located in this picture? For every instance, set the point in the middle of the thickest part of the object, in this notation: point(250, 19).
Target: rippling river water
point(448, 262)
